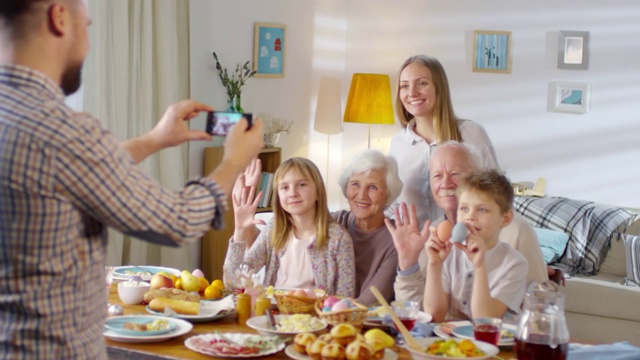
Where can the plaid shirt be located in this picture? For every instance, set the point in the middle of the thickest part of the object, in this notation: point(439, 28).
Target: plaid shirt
point(62, 179)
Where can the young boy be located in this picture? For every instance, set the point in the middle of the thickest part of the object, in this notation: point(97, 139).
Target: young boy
point(482, 277)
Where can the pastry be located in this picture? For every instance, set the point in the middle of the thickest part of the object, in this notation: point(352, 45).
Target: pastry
point(359, 350)
point(301, 340)
point(326, 338)
point(333, 352)
point(314, 349)
point(378, 348)
point(343, 334)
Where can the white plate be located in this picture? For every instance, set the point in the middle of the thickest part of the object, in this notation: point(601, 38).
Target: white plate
point(261, 324)
point(182, 327)
point(116, 324)
point(441, 333)
point(192, 344)
point(466, 332)
point(292, 353)
point(119, 273)
point(206, 313)
point(489, 350)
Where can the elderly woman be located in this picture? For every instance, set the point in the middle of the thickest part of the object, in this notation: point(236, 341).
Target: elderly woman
point(370, 183)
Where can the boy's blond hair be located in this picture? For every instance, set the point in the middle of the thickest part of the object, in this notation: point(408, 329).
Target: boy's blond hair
point(492, 183)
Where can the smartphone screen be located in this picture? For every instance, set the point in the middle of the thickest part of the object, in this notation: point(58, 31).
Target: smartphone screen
point(220, 122)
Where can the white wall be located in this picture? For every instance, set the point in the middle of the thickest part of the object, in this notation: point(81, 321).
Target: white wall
point(584, 156)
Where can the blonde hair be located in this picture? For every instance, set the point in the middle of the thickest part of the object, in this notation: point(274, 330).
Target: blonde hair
point(283, 225)
point(444, 119)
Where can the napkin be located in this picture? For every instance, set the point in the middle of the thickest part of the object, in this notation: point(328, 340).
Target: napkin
point(211, 308)
point(616, 351)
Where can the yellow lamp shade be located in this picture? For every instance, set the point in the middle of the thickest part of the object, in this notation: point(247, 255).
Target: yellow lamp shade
point(369, 100)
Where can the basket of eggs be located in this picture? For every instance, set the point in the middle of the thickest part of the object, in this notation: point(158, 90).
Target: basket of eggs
point(339, 310)
point(298, 301)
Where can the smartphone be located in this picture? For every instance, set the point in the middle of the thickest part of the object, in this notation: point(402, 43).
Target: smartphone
point(220, 122)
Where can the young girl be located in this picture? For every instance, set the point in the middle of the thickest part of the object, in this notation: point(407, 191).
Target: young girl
point(302, 246)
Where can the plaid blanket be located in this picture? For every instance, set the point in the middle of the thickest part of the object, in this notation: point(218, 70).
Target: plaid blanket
point(590, 227)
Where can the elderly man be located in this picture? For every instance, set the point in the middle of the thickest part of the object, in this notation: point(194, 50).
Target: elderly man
point(449, 163)
point(64, 179)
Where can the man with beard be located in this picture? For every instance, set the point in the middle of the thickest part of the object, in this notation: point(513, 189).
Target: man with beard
point(449, 163)
point(63, 179)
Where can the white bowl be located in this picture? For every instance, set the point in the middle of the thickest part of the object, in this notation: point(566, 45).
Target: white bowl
point(261, 324)
point(132, 292)
point(489, 350)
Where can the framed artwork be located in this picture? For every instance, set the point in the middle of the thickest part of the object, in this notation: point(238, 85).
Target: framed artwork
point(492, 51)
point(573, 50)
point(569, 97)
point(269, 50)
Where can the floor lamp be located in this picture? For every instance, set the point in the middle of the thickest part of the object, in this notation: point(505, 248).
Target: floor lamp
point(328, 112)
point(369, 101)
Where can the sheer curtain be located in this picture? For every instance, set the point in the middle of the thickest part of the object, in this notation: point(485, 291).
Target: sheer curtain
point(137, 66)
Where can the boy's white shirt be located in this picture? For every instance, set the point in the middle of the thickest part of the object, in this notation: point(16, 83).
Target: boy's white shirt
point(507, 272)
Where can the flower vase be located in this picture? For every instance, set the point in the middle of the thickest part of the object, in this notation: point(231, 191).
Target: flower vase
point(239, 104)
point(270, 140)
point(230, 107)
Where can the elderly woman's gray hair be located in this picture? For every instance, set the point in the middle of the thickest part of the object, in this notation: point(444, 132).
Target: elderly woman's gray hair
point(368, 160)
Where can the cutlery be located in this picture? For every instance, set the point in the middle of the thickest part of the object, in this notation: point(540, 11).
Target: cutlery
point(408, 338)
point(272, 320)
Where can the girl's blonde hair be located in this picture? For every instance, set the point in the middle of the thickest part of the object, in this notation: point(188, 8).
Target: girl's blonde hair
point(283, 225)
point(445, 123)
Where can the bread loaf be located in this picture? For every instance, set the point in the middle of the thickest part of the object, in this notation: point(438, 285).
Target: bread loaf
point(171, 293)
point(179, 306)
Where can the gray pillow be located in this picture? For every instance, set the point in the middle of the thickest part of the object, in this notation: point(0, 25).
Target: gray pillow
point(632, 256)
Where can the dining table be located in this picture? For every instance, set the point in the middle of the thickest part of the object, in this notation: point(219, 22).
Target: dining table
point(175, 348)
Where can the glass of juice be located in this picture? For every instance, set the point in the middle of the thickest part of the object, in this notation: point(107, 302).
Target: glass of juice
point(407, 312)
point(487, 329)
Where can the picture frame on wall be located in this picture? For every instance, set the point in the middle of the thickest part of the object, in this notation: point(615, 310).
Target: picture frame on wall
point(569, 97)
point(269, 50)
point(492, 51)
point(573, 50)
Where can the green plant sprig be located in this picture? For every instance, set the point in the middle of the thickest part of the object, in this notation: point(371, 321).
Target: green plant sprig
point(234, 84)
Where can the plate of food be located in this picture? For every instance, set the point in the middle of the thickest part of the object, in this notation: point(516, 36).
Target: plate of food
point(179, 327)
point(145, 272)
point(139, 326)
point(234, 345)
point(507, 333)
point(436, 348)
point(207, 311)
point(294, 354)
point(287, 326)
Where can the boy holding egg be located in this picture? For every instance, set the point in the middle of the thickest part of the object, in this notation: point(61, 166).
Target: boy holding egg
point(481, 277)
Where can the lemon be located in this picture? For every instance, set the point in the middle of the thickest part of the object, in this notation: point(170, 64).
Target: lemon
point(218, 283)
point(178, 283)
point(203, 284)
point(212, 292)
point(385, 338)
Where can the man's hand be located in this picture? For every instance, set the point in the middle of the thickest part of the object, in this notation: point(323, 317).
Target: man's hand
point(408, 240)
point(173, 128)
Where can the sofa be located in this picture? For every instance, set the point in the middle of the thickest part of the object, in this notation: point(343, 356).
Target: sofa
point(600, 307)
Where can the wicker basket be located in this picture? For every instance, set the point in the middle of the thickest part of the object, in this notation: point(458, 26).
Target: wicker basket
point(354, 316)
point(289, 304)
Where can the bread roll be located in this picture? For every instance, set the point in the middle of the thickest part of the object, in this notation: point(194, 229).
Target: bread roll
point(301, 340)
point(378, 348)
point(359, 350)
point(344, 333)
point(314, 349)
point(333, 352)
point(179, 306)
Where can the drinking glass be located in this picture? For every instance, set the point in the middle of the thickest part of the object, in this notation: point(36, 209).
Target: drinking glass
point(108, 279)
point(407, 312)
point(487, 329)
